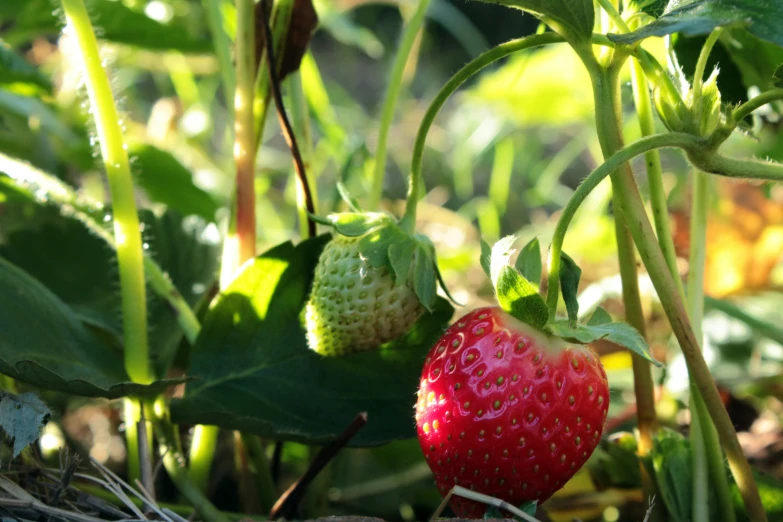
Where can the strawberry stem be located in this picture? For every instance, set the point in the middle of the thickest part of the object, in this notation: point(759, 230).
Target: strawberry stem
point(408, 221)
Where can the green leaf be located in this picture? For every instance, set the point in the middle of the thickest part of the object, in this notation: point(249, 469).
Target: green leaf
point(777, 77)
point(599, 317)
point(671, 458)
point(187, 250)
point(486, 255)
point(653, 8)
point(529, 508)
point(573, 19)
point(22, 417)
point(519, 298)
point(695, 17)
point(424, 283)
point(492, 512)
point(615, 463)
point(374, 245)
point(354, 224)
point(401, 257)
point(274, 386)
point(570, 274)
point(14, 68)
point(770, 491)
point(167, 181)
point(618, 333)
point(42, 342)
point(529, 261)
point(116, 21)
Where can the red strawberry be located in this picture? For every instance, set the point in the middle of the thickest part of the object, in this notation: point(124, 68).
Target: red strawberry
point(508, 410)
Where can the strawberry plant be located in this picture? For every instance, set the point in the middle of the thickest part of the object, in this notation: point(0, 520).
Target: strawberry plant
point(276, 326)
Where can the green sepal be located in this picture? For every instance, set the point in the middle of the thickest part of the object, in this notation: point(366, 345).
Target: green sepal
point(486, 255)
point(529, 508)
point(516, 295)
point(529, 261)
point(570, 274)
point(355, 224)
point(424, 279)
point(599, 317)
point(622, 334)
point(401, 258)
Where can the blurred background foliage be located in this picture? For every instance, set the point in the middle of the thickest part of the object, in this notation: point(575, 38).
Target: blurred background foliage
point(504, 155)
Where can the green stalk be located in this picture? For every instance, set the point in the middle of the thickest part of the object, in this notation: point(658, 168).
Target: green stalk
point(174, 462)
point(700, 509)
point(126, 220)
point(392, 94)
point(408, 221)
point(658, 202)
point(744, 110)
point(202, 453)
point(222, 44)
point(707, 444)
point(244, 130)
point(606, 89)
point(712, 162)
point(127, 233)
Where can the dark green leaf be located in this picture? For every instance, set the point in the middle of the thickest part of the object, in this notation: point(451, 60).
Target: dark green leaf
point(599, 317)
point(14, 68)
point(518, 297)
point(43, 343)
point(615, 463)
point(777, 77)
point(80, 269)
point(573, 19)
point(529, 261)
point(486, 255)
point(671, 458)
point(167, 181)
point(276, 387)
point(570, 274)
point(22, 417)
point(116, 21)
point(401, 257)
point(529, 508)
point(695, 17)
point(618, 333)
point(354, 224)
point(424, 283)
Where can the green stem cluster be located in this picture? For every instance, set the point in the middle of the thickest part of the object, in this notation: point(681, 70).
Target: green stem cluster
point(395, 85)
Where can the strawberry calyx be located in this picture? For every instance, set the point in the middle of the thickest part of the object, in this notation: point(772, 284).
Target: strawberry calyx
point(383, 243)
point(519, 298)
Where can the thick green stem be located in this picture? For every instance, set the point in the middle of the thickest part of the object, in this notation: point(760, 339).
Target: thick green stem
point(244, 131)
point(174, 462)
point(652, 159)
point(624, 155)
point(127, 233)
point(607, 108)
point(408, 220)
point(704, 440)
point(744, 110)
point(126, 220)
point(412, 28)
point(201, 455)
point(712, 162)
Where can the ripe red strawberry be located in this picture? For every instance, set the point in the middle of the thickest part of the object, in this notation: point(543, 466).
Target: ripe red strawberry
point(507, 410)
